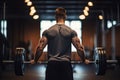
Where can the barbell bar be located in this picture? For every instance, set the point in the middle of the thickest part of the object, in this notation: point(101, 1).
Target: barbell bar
point(95, 62)
point(44, 62)
point(21, 70)
point(25, 62)
point(99, 61)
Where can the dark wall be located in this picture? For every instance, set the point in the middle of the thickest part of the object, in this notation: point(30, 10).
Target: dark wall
point(88, 37)
point(117, 39)
point(108, 42)
point(20, 31)
point(109, 46)
point(88, 32)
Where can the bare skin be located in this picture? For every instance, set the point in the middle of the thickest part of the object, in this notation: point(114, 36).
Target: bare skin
point(80, 49)
point(39, 51)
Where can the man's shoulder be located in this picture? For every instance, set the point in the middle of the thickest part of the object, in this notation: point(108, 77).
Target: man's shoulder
point(52, 27)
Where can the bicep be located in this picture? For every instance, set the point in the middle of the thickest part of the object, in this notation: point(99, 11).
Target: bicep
point(43, 42)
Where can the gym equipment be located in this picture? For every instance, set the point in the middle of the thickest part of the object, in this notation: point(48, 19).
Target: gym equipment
point(19, 61)
point(99, 61)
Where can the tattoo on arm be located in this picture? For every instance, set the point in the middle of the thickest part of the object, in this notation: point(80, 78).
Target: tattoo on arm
point(41, 46)
point(79, 47)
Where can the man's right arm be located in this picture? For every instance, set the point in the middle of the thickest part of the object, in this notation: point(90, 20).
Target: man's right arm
point(39, 50)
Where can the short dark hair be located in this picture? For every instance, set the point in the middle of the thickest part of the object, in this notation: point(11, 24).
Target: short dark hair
point(60, 13)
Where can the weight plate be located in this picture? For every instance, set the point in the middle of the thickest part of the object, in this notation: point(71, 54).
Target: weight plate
point(100, 61)
point(19, 62)
point(19, 65)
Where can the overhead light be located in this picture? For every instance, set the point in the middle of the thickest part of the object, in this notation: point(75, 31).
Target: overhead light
point(35, 16)
point(100, 17)
point(85, 12)
point(32, 12)
point(90, 3)
point(82, 17)
point(86, 8)
point(29, 3)
point(32, 8)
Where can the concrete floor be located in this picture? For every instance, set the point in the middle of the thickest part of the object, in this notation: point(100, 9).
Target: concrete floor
point(81, 72)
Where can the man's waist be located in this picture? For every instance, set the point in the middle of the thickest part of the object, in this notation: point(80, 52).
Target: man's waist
point(60, 58)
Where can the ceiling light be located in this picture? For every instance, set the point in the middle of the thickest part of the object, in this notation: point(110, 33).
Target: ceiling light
point(82, 17)
point(86, 8)
point(35, 16)
point(29, 3)
point(32, 8)
point(90, 3)
point(100, 17)
point(85, 12)
point(32, 12)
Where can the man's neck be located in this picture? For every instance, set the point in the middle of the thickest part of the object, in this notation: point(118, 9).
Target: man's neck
point(61, 22)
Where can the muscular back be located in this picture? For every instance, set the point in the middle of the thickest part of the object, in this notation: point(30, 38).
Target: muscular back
point(59, 39)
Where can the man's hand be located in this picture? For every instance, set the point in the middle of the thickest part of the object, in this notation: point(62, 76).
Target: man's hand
point(32, 61)
point(87, 61)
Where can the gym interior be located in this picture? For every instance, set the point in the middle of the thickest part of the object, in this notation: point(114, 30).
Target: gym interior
point(97, 23)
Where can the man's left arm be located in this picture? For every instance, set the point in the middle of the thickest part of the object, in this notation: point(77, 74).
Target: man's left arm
point(79, 47)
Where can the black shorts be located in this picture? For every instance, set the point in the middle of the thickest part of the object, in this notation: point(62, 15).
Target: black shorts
point(59, 70)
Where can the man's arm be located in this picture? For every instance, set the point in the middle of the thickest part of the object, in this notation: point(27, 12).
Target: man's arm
point(79, 47)
point(41, 46)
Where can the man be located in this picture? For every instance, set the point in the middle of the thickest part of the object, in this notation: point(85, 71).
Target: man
point(59, 38)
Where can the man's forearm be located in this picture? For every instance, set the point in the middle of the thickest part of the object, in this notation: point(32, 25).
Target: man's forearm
point(38, 54)
point(39, 51)
point(81, 54)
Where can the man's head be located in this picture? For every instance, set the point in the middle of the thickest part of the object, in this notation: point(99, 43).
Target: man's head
point(60, 13)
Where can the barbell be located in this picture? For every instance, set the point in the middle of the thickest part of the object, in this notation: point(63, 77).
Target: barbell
point(99, 61)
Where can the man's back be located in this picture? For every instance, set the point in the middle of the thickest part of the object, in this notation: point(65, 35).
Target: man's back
point(59, 41)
